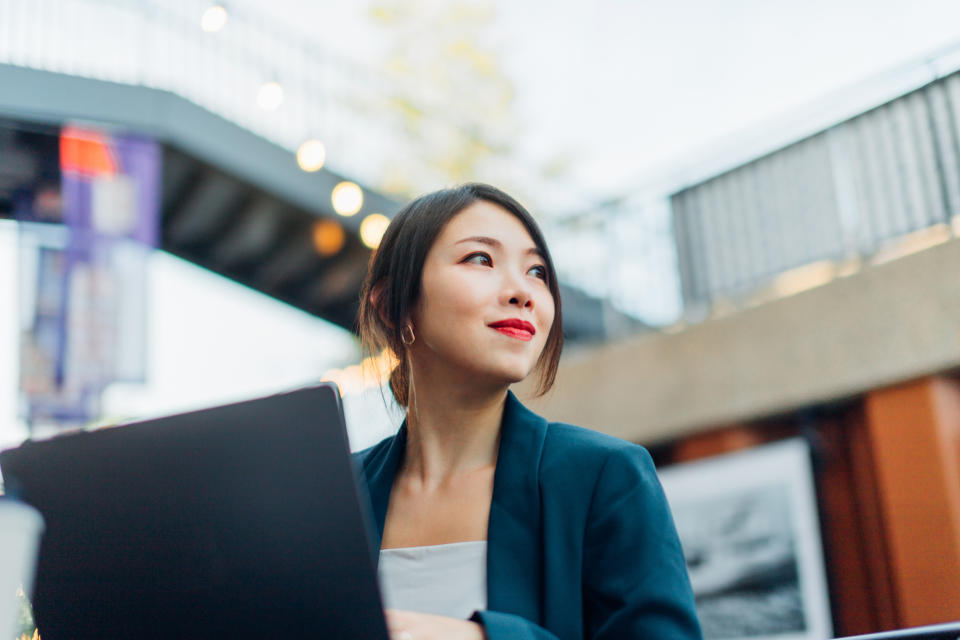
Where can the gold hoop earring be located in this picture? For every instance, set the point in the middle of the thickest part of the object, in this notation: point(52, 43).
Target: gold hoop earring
point(407, 336)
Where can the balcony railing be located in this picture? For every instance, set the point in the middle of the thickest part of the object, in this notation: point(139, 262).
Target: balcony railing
point(838, 196)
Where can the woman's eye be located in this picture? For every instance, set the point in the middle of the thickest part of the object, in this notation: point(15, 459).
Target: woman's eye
point(539, 271)
point(479, 258)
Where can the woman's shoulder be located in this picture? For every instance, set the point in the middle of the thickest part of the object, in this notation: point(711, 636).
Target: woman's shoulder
point(581, 447)
point(596, 471)
point(561, 434)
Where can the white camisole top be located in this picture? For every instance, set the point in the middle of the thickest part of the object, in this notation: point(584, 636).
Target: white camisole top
point(443, 579)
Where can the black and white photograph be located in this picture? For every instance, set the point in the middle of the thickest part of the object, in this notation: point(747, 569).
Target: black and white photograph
point(751, 539)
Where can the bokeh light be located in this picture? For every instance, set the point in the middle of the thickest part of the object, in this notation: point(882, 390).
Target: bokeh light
point(347, 198)
point(270, 95)
point(372, 229)
point(311, 155)
point(214, 18)
point(328, 237)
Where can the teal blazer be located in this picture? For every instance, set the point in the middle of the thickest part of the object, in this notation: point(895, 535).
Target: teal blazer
point(580, 542)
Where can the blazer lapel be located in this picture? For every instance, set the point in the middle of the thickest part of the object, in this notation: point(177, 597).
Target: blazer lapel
point(380, 473)
point(514, 550)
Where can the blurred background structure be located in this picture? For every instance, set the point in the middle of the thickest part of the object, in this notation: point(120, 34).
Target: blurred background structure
point(754, 209)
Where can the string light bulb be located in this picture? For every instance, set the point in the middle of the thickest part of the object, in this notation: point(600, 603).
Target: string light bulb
point(214, 18)
point(347, 198)
point(372, 229)
point(270, 95)
point(311, 155)
point(328, 237)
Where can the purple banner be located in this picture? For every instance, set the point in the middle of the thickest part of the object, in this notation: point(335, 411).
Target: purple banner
point(88, 326)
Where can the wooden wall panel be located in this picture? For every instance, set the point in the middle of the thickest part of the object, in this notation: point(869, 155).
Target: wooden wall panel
point(912, 433)
point(718, 442)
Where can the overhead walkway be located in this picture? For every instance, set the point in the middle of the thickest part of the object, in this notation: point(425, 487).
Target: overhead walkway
point(232, 201)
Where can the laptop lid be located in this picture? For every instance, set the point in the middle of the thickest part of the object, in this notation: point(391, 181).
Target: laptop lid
point(946, 631)
point(244, 520)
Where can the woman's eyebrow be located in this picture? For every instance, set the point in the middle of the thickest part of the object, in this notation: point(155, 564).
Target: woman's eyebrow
point(493, 242)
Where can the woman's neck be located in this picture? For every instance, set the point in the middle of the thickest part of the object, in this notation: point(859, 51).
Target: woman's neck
point(452, 431)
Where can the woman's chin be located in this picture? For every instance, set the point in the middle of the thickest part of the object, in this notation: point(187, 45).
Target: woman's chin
point(492, 372)
point(508, 375)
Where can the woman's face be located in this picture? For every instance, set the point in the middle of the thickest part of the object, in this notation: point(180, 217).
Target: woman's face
point(485, 308)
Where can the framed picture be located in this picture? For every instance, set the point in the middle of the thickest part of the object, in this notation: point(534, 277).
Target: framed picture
point(751, 536)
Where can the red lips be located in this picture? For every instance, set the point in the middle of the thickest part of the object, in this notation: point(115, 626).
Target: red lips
point(515, 328)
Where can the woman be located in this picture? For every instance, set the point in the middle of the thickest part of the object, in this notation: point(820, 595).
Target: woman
point(492, 522)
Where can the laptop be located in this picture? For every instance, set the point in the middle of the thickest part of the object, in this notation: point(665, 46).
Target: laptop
point(946, 631)
point(243, 520)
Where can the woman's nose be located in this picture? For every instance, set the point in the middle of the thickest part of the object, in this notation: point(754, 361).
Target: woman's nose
point(518, 293)
point(521, 301)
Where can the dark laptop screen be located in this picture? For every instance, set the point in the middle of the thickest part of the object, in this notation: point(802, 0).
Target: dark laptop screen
point(237, 521)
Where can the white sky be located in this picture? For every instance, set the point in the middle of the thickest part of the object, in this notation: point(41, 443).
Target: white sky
point(629, 87)
point(635, 85)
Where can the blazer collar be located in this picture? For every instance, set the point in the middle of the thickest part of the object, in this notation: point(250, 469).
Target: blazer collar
point(514, 563)
point(380, 472)
point(514, 560)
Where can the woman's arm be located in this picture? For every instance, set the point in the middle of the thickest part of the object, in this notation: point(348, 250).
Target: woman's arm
point(483, 625)
point(413, 625)
point(635, 576)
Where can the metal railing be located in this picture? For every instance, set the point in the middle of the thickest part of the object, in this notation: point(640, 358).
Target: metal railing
point(841, 194)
